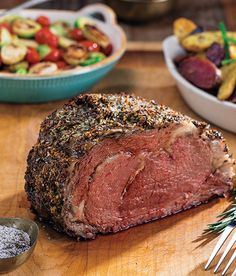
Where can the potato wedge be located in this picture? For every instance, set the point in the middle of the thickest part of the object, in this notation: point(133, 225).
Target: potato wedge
point(230, 34)
point(200, 41)
point(183, 27)
point(226, 69)
point(229, 82)
point(232, 51)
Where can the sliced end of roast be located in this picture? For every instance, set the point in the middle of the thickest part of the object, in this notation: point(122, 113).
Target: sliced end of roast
point(144, 176)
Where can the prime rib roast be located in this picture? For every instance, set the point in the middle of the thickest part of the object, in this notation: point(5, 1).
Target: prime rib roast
point(104, 163)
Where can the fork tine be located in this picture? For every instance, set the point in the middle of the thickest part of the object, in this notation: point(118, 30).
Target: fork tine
point(227, 249)
point(219, 244)
point(229, 263)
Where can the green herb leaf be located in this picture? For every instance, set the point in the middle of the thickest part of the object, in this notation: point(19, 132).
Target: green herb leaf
point(225, 39)
point(226, 218)
point(232, 40)
point(228, 61)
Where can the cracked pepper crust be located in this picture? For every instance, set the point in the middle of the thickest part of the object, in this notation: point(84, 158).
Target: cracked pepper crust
point(71, 131)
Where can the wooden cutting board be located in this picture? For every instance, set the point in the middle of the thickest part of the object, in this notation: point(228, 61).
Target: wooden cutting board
point(171, 246)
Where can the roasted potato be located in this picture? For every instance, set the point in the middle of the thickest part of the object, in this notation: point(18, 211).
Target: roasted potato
point(232, 51)
point(183, 27)
point(226, 69)
point(229, 82)
point(200, 41)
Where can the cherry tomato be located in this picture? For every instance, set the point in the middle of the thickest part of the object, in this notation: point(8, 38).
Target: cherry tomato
point(61, 65)
point(108, 50)
point(43, 21)
point(6, 25)
point(90, 45)
point(76, 34)
point(45, 36)
point(32, 56)
point(53, 56)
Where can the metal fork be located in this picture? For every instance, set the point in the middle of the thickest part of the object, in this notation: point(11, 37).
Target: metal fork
point(218, 246)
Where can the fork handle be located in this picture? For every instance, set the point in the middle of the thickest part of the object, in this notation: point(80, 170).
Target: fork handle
point(25, 5)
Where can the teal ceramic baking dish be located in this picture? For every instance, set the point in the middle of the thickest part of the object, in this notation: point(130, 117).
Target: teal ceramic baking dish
point(36, 89)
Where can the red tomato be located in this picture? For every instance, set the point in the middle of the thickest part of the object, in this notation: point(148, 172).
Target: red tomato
point(108, 50)
point(6, 25)
point(90, 45)
point(76, 34)
point(43, 21)
point(32, 56)
point(45, 36)
point(53, 56)
point(61, 64)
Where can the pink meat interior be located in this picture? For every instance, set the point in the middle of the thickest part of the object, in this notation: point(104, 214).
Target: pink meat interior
point(141, 177)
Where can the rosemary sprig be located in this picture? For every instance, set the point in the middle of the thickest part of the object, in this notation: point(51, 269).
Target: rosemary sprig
point(225, 39)
point(232, 40)
point(228, 61)
point(226, 218)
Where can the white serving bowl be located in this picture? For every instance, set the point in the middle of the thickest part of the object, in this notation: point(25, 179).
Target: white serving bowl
point(220, 113)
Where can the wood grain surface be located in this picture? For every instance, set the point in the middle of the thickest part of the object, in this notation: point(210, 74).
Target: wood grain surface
point(171, 246)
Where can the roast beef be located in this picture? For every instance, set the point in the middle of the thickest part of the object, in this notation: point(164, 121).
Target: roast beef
point(104, 163)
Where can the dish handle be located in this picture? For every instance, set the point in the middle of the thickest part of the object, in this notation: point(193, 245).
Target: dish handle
point(107, 13)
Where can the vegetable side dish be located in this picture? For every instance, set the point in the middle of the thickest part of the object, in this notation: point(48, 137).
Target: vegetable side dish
point(210, 58)
point(44, 47)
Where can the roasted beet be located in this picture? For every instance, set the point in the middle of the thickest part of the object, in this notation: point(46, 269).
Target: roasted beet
point(201, 72)
point(180, 58)
point(215, 53)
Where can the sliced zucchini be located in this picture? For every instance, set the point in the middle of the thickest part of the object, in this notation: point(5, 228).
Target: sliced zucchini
point(21, 71)
point(91, 32)
point(66, 42)
point(43, 68)
point(75, 54)
point(29, 43)
point(21, 65)
point(43, 50)
point(60, 28)
point(5, 37)
point(25, 28)
point(93, 58)
point(11, 54)
point(81, 21)
point(9, 18)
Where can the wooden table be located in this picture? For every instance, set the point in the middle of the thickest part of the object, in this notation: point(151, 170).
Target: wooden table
point(171, 246)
